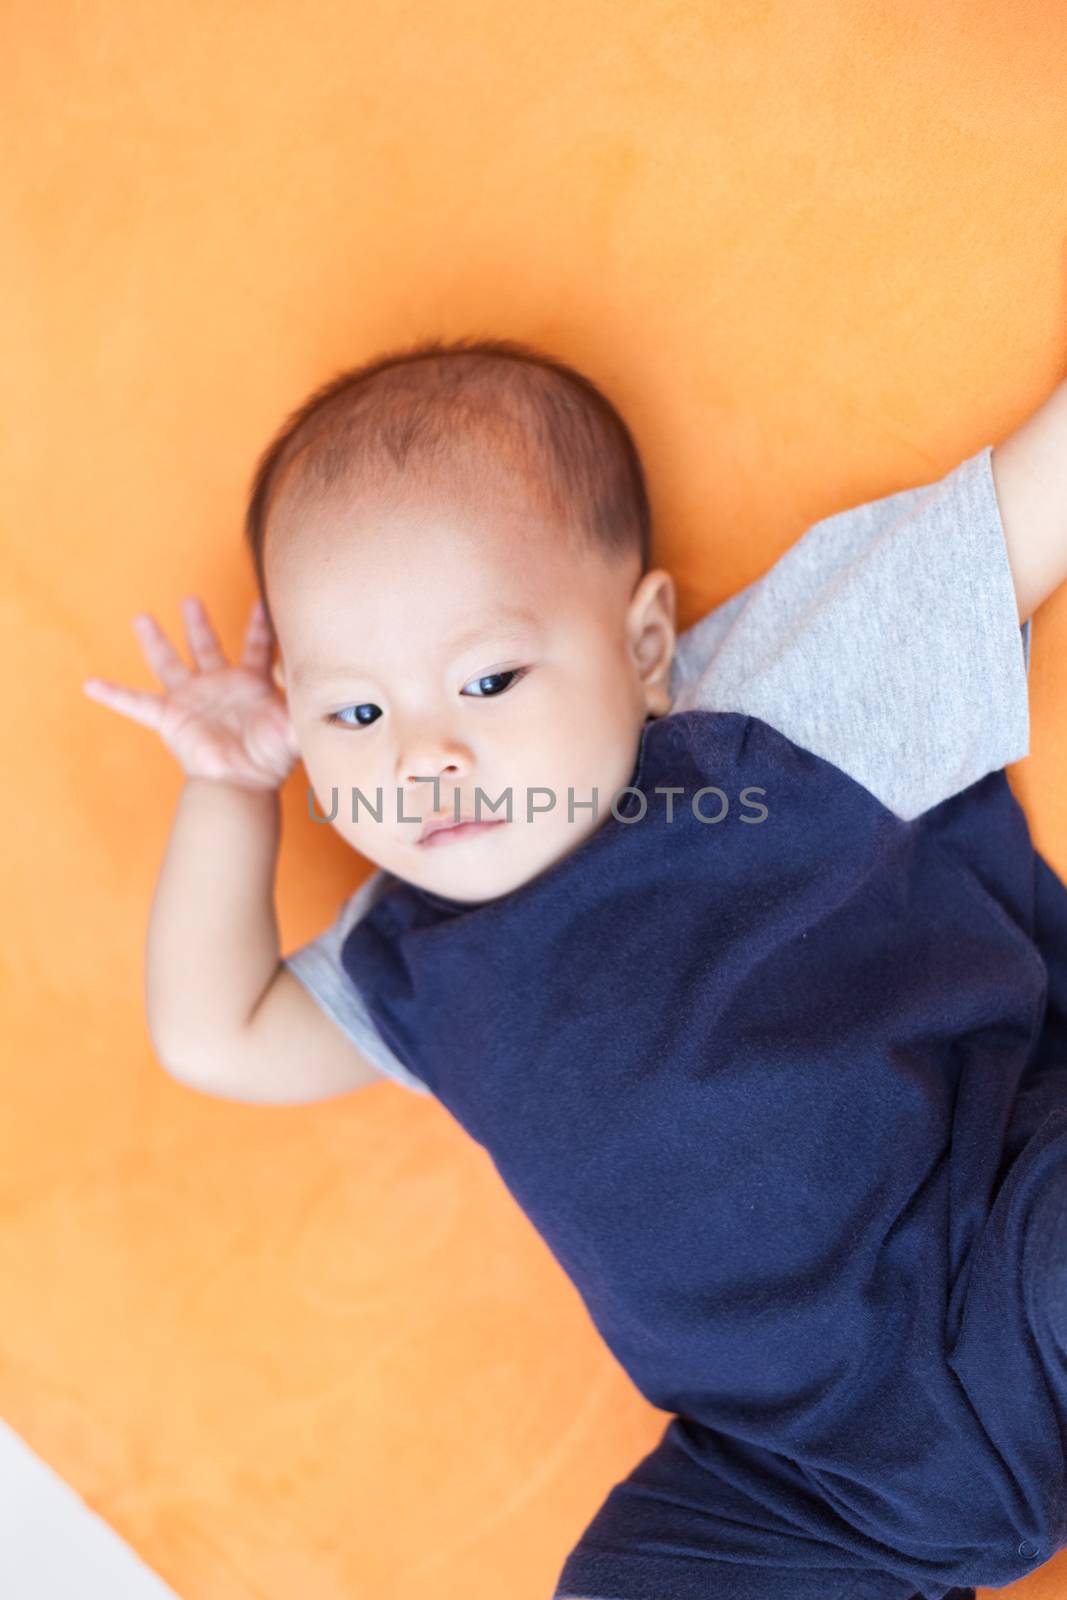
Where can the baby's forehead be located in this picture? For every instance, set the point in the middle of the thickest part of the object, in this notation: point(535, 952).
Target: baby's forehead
point(499, 536)
point(401, 571)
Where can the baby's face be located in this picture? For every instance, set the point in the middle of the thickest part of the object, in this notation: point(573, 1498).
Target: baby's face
point(479, 647)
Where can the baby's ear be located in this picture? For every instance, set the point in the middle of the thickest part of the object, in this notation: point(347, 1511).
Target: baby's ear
point(278, 674)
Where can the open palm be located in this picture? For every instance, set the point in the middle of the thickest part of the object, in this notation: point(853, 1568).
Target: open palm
point(221, 721)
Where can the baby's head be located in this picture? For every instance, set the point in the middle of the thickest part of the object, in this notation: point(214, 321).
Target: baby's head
point(457, 575)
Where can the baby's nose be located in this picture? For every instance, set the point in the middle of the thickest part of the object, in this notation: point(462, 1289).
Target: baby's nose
point(429, 759)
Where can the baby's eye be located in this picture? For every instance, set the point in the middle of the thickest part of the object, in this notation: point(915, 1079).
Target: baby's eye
point(339, 716)
point(497, 677)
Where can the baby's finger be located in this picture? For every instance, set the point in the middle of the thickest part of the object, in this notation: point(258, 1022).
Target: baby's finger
point(160, 654)
point(202, 639)
point(136, 703)
point(259, 641)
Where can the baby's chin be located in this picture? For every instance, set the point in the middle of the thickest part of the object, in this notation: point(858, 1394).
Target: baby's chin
point(474, 866)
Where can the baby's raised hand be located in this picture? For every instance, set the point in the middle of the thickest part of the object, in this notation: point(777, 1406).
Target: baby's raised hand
point(221, 721)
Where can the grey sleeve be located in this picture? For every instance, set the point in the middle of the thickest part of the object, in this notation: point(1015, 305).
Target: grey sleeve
point(885, 640)
point(317, 964)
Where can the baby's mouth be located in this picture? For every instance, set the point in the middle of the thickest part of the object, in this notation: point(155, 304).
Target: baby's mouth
point(443, 830)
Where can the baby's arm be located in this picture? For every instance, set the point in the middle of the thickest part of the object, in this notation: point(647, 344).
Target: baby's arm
point(224, 1014)
point(1030, 473)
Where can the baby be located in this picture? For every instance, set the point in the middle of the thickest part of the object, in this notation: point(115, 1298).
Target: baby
point(733, 950)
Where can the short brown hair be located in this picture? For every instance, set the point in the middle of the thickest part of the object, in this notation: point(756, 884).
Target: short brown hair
point(408, 411)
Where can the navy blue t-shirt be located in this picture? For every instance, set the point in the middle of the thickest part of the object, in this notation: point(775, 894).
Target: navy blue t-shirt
point(785, 1093)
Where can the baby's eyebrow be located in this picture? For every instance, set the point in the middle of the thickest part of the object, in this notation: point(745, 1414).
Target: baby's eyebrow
point(506, 626)
point(502, 627)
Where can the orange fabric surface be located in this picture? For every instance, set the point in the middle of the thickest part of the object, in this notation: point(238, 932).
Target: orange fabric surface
point(815, 253)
